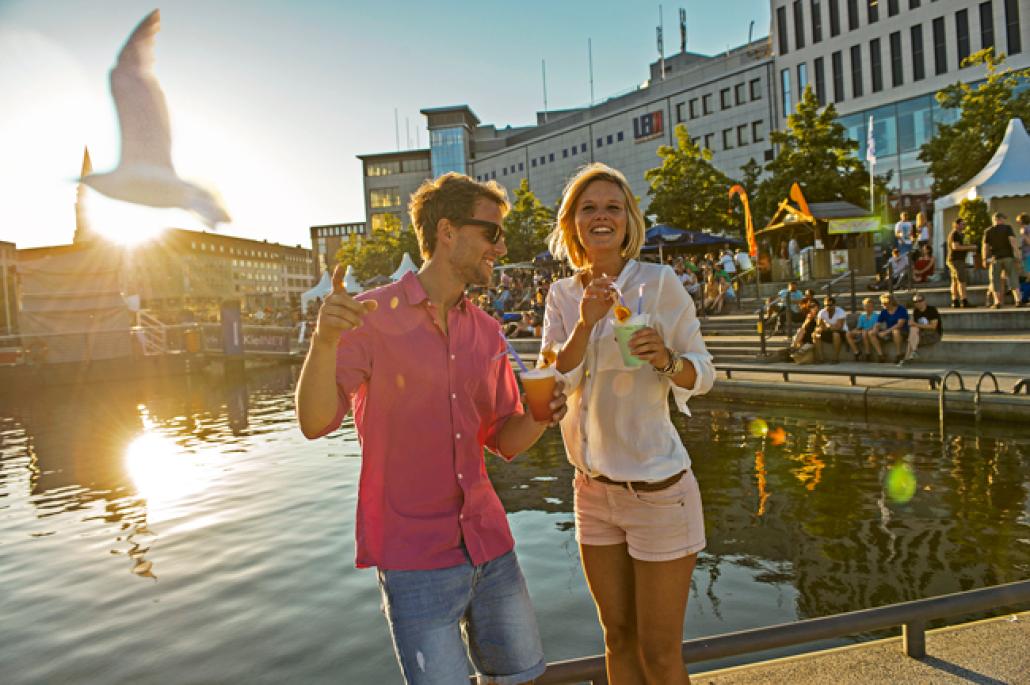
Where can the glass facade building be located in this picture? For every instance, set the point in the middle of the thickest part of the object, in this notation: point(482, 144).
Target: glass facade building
point(448, 150)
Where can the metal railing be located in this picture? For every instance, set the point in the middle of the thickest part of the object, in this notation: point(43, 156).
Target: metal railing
point(854, 293)
point(911, 616)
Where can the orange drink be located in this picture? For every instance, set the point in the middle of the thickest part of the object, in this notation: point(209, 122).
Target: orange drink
point(539, 387)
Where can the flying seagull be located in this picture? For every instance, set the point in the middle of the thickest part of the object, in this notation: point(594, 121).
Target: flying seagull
point(145, 174)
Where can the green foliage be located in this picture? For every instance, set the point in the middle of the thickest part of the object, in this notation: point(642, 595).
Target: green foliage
point(526, 226)
point(749, 178)
point(977, 216)
point(814, 151)
point(960, 150)
point(686, 190)
point(382, 251)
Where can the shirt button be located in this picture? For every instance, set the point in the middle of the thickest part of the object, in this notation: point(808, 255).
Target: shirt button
point(460, 476)
point(452, 356)
point(458, 436)
point(461, 517)
point(454, 395)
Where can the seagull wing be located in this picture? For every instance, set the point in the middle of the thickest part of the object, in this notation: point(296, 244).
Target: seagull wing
point(142, 111)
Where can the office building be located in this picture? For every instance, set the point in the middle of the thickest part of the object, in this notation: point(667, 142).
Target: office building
point(327, 240)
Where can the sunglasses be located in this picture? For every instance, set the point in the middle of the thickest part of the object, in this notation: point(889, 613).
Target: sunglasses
point(494, 232)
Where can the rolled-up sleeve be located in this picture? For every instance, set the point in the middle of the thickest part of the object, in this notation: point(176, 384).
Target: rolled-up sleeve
point(353, 368)
point(683, 335)
point(557, 330)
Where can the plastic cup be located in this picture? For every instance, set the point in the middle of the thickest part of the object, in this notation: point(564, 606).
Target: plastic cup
point(624, 331)
point(539, 387)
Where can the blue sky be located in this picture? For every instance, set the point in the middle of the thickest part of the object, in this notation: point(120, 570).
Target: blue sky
point(270, 101)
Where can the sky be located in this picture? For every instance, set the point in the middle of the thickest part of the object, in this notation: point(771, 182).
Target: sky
point(271, 101)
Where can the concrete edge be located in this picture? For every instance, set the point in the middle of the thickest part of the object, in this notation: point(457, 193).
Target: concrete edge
point(869, 399)
point(1021, 615)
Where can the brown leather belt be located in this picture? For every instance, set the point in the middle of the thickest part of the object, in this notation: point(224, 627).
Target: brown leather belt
point(642, 485)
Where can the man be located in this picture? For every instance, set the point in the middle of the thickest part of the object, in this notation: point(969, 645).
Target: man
point(790, 301)
point(429, 380)
point(892, 324)
point(865, 328)
point(903, 234)
point(924, 329)
point(743, 260)
point(899, 267)
point(832, 327)
point(728, 263)
point(1001, 252)
point(957, 268)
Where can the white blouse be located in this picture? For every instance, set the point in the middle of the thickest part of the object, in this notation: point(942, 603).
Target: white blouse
point(618, 422)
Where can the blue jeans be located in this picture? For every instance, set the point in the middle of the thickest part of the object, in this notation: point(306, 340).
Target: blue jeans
point(434, 614)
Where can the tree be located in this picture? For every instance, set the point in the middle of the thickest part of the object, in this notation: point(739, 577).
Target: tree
point(960, 150)
point(749, 178)
point(814, 151)
point(382, 251)
point(977, 217)
point(686, 190)
point(526, 226)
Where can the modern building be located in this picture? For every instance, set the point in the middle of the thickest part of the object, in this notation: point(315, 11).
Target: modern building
point(886, 59)
point(200, 269)
point(724, 100)
point(326, 242)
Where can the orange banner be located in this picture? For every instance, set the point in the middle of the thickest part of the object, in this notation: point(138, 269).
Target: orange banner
point(752, 245)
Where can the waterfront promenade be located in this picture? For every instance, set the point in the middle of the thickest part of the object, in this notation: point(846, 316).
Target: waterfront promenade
point(991, 651)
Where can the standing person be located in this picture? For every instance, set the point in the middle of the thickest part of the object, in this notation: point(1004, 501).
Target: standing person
point(427, 516)
point(832, 327)
point(924, 329)
point(1001, 253)
point(638, 513)
point(891, 324)
point(923, 231)
point(729, 265)
point(957, 253)
point(903, 234)
point(1023, 222)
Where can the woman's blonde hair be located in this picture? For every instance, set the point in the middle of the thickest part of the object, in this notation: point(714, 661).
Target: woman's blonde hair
point(564, 242)
point(920, 219)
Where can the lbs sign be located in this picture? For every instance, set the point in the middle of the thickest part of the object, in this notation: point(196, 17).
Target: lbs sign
point(647, 126)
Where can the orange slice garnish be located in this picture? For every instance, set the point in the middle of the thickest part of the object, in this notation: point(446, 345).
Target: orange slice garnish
point(548, 357)
point(622, 313)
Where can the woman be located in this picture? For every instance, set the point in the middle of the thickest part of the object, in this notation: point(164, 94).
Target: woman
point(638, 511)
point(924, 266)
point(714, 296)
point(922, 232)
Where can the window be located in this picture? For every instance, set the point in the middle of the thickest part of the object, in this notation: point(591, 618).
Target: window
point(918, 72)
point(706, 103)
point(565, 153)
point(610, 139)
point(532, 162)
point(817, 21)
point(618, 137)
point(986, 25)
point(724, 98)
point(856, 71)
point(873, 13)
point(755, 86)
point(781, 28)
point(708, 140)
point(742, 135)
point(913, 4)
point(738, 94)
point(583, 147)
point(897, 77)
point(875, 65)
point(693, 108)
point(1015, 44)
point(962, 34)
point(550, 156)
point(522, 166)
point(416, 165)
point(852, 15)
point(756, 131)
point(802, 79)
point(543, 160)
point(785, 91)
point(384, 197)
point(600, 142)
point(940, 50)
point(892, 7)
point(379, 220)
point(727, 139)
point(679, 112)
point(383, 168)
point(834, 18)
point(837, 61)
point(799, 25)
point(820, 80)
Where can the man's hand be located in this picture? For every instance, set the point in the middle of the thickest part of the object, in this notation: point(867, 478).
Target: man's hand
point(339, 312)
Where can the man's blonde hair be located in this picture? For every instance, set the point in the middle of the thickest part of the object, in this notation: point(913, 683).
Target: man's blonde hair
point(451, 196)
point(564, 242)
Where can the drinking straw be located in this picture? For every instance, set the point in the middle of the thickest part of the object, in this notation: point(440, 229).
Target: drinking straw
point(640, 301)
point(622, 300)
point(512, 352)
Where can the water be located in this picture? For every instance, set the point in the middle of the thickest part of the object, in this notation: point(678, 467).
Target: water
point(183, 531)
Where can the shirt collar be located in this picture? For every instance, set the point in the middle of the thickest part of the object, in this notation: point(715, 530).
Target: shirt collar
point(415, 294)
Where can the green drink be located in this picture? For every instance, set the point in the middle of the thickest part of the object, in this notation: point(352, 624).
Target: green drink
point(624, 330)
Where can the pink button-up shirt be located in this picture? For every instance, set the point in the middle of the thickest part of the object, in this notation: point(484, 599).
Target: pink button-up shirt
point(425, 404)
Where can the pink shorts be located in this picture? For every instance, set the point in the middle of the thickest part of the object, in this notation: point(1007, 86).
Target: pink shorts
point(656, 526)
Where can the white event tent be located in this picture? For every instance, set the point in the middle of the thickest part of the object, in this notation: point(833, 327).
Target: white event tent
point(406, 265)
point(1007, 175)
point(325, 286)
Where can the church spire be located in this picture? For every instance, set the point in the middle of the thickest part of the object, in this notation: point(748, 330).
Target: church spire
point(82, 231)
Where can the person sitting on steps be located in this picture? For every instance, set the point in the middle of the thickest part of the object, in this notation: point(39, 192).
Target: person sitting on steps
point(892, 324)
point(832, 327)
